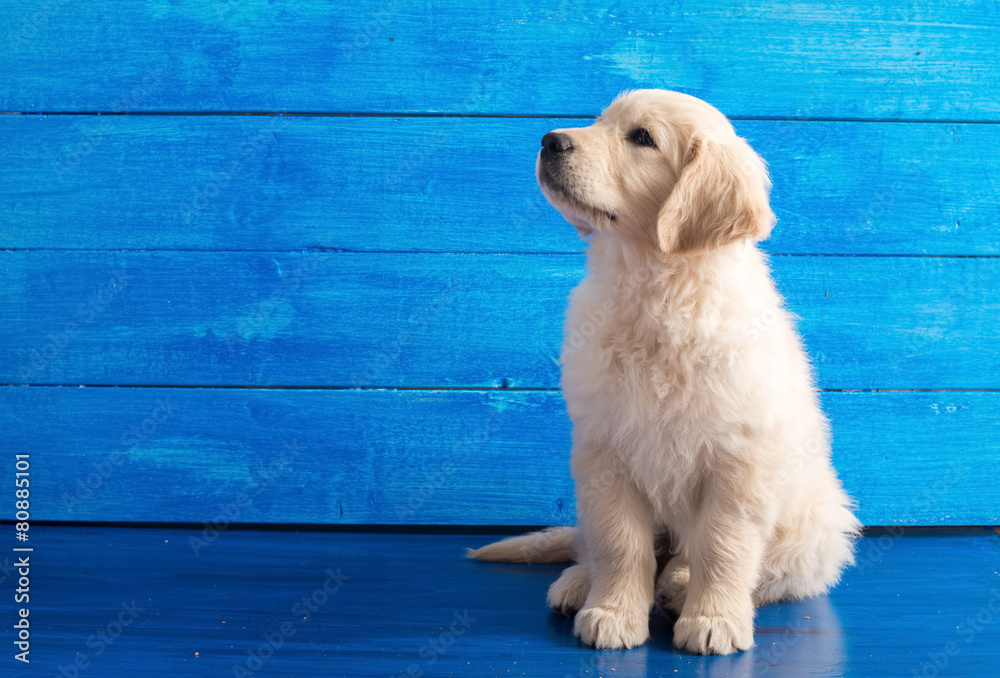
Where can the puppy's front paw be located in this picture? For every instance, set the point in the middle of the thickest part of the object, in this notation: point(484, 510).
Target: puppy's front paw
point(568, 593)
point(672, 586)
point(609, 628)
point(713, 635)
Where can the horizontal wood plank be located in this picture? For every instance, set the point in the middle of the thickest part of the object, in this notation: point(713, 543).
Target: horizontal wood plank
point(455, 185)
point(250, 318)
point(431, 457)
point(425, 320)
point(379, 605)
point(883, 60)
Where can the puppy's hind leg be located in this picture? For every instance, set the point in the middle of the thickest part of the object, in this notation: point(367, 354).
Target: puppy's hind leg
point(672, 586)
point(568, 593)
point(810, 547)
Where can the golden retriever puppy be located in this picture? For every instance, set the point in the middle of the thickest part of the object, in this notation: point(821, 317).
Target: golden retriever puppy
point(695, 419)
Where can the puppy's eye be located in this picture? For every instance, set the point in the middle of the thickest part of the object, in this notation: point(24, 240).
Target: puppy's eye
point(642, 137)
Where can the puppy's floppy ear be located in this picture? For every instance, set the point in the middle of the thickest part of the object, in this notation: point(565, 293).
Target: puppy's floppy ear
point(722, 195)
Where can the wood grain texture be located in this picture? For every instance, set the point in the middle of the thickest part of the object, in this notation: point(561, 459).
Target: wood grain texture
point(238, 455)
point(432, 457)
point(455, 185)
point(382, 605)
point(426, 320)
point(883, 60)
point(915, 458)
point(450, 273)
point(290, 319)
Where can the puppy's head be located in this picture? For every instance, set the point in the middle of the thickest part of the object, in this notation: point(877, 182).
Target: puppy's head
point(660, 168)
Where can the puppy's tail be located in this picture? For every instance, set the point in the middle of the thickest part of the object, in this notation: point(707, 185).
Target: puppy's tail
point(554, 545)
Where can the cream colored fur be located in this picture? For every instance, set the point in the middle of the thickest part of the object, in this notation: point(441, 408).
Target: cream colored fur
point(692, 400)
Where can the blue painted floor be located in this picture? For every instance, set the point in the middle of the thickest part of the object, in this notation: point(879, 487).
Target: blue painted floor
point(150, 602)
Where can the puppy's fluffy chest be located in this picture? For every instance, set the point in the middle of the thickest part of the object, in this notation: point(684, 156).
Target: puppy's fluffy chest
point(656, 337)
point(638, 343)
point(658, 363)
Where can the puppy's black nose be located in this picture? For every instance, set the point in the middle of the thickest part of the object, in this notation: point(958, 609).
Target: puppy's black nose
point(557, 142)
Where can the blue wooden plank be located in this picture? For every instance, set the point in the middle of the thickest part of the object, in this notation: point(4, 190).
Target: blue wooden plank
point(918, 458)
point(412, 184)
point(859, 59)
point(254, 318)
point(853, 188)
point(344, 456)
point(422, 320)
point(396, 605)
point(431, 457)
point(884, 323)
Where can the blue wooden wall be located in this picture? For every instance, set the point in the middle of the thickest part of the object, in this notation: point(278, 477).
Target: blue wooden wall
point(286, 261)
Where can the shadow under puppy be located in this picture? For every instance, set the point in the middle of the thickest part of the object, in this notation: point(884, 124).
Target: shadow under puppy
point(695, 418)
